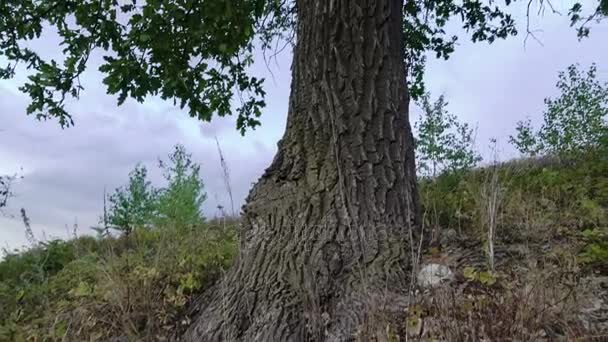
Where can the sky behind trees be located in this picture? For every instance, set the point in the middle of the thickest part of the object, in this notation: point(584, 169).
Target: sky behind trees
point(65, 171)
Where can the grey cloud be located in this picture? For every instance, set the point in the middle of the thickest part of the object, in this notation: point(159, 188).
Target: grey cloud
point(215, 127)
point(495, 86)
point(66, 170)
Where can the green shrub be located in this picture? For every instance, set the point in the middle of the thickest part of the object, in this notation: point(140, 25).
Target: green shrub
point(133, 205)
point(539, 193)
point(136, 286)
point(443, 144)
point(573, 122)
point(180, 202)
point(595, 251)
point(139, 204)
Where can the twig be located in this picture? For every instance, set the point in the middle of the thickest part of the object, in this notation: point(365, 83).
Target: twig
point(530, 33)
point(226, 176)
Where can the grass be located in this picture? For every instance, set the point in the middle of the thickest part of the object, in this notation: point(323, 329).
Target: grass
point(530, 252)
point(527, 241)
point(537, 195)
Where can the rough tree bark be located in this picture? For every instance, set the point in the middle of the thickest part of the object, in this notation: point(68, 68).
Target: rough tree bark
point(326, 237)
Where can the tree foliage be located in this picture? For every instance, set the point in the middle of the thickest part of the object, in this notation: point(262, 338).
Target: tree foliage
point(425, 29)
point(6, 186)
point(197, 52)
point(579, 19)
point(5, 190)
point(133, 205)
point(526, 140)
point(574, 121)
point(181, 201)
point(442, 142)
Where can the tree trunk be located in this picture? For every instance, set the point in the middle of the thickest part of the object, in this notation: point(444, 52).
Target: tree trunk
point(328, 227)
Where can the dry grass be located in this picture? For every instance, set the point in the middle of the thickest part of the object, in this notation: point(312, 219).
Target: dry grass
point(521, 237)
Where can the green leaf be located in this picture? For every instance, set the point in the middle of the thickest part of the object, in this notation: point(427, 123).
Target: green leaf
point(487, 278)
point(83, 289)
point(470, 273)
point(20, 294)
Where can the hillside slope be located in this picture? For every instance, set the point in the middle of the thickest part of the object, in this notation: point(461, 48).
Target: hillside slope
point(547, 277)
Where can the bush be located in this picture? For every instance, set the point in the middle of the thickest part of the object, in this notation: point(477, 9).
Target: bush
point(537, 192)
point(442, 142)
point(133, 205)
point(136, 286)
point(180, 202)
point(595, 250)
point(573, 122)
point(141, 205)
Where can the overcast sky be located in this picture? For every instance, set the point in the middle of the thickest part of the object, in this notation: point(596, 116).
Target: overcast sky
point(65, 171)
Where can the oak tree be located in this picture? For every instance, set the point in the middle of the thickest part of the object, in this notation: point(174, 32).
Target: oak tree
point(329, 228)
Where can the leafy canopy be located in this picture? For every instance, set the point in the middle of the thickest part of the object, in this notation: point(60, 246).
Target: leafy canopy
point(197, 52)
